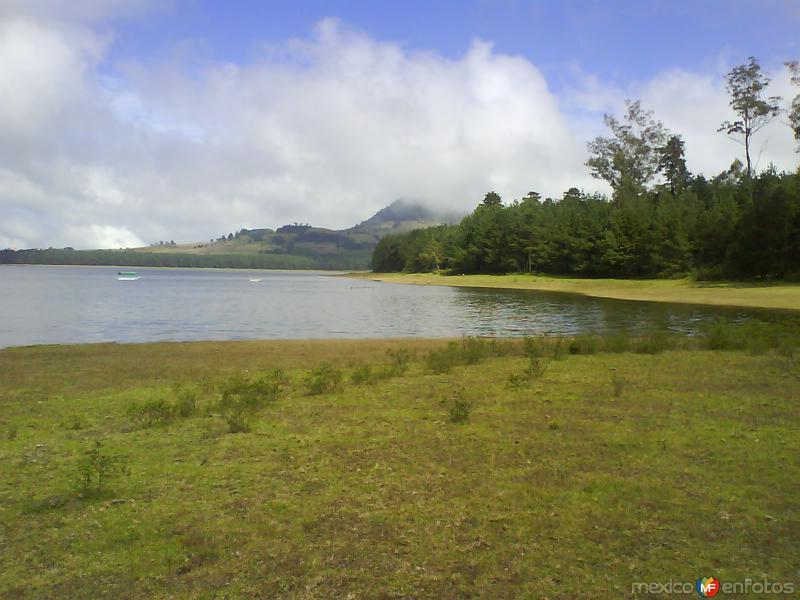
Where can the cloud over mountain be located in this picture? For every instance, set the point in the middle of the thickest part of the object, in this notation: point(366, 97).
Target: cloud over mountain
point(325, 129)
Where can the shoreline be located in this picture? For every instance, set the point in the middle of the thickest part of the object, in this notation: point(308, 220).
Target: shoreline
point(781, 296)
point(320, 271)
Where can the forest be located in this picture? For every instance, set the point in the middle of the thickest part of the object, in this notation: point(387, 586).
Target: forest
point(56, 256)
point(659, 221)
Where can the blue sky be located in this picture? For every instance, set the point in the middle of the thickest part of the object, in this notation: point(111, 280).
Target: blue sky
point(622, 40)
point(125, 122)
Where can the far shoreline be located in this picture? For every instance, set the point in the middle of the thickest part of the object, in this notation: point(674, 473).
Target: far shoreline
point(773, 296)
point(135, 267)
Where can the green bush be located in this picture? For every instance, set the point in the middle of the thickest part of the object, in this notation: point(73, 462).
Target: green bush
point(586, 344)
point(474, 349)
point(238, 421)
point(364, 375)
point(443, 360)
point(535, 347)
point(618, 342)
point(239, 393)
point(323, 380)
point(399, 361)
point(653, 342)
point(186, 401)
point(152, 412)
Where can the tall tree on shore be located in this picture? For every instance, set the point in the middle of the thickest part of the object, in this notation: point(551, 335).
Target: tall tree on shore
point(794, 111)
point(631, 153)
point(673, 164)
point(746, 84)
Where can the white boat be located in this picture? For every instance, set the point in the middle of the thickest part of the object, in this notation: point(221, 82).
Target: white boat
point(127, 276)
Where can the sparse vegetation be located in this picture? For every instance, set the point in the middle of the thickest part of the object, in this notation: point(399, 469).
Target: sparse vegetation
point(333, 478)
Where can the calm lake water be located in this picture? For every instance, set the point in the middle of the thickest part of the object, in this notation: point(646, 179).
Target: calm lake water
point(65, 305)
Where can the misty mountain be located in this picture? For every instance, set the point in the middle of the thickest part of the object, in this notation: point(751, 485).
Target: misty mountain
point(290, 246)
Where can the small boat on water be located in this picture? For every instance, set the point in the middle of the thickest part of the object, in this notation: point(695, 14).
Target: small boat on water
point(127, 276)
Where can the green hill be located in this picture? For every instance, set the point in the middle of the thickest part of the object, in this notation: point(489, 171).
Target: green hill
point(296, 246)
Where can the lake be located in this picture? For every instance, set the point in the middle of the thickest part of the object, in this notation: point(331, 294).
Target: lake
point(66, 305)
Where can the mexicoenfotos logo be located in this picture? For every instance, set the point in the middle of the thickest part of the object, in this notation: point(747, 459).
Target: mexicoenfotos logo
point(707, 587)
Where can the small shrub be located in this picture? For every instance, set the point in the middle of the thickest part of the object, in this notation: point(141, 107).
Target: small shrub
point(186, 401)
point(534, 347)
point(363, 375)
point(152, 412)
point(399, 361)
point(11, 433)
point(502, 348)
point(474, 349)
point(721, 335)
point(558, 348)
point(323, 380)
point(618, 342)
point(653, 342)
point(553, 426)
point(97, 468)
point(245, 394)
point(443, 360)
point(279, 377)
point(238, 421)
point(585, 344)
point(535, 369)
point(460, 408)
point(206, 385)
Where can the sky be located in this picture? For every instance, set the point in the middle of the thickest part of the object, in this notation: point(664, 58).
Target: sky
point(126, 122)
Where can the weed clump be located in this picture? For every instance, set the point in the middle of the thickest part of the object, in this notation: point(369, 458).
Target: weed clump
point(460, 408)
point(97, 468)
point(364, 375)
point(534, 370)
point(399, 361)
point(248, 394)
point(654, 342)
point(323, 380)
point(470, 351)
point(586, 344)
point(157, 411)
point(186, 400)
point(443, 360)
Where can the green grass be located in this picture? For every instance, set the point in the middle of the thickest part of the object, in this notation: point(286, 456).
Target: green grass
point(752, 295)
point(605, 469)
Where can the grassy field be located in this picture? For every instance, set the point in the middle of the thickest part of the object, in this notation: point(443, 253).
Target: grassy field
point(781, 296)
point(473, 471)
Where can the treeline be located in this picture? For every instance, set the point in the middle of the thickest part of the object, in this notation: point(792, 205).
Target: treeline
point(730, 227)
point(155, 259)
point(661, 221)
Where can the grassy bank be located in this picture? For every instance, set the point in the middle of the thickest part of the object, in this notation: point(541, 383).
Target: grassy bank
point(778, 296)
point(484, 469)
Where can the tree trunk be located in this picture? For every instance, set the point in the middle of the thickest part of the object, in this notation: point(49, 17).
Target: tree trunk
point(747, 149)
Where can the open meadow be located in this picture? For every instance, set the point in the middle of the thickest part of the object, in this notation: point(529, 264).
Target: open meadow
point(396, 469)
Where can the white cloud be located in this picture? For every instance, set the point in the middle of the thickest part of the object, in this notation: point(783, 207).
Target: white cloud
point(326, 129)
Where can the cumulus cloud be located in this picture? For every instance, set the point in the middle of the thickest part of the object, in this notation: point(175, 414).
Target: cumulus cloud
point(326, 129)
